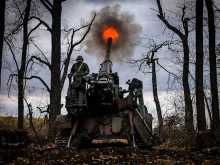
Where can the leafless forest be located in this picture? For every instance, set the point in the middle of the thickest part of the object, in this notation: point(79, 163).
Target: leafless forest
point(187, 51)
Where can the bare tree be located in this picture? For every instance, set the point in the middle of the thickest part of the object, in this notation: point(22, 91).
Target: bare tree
point(2, 10)
point(148, 60)
point(55, 94)
point(184, 39)
point(152, 60)
point(21, 70)
point(20, 31)
point(212, 64)
point(201, 121)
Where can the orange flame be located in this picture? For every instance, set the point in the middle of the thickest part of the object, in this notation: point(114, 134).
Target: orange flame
point(110, 32)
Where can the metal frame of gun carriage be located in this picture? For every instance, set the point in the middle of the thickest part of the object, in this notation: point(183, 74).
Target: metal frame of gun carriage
point(98, 109)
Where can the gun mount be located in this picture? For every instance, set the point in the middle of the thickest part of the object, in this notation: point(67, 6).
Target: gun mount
point(99, 110)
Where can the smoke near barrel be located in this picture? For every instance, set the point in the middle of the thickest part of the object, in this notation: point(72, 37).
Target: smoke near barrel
point(117, 24)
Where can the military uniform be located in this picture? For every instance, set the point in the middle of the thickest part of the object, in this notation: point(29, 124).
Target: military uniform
point(79, 70)
point(82, 69)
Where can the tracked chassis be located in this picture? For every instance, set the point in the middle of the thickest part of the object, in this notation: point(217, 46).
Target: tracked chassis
point(97, 108)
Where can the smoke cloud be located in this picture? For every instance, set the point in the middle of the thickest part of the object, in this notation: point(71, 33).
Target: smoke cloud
point(128, 31)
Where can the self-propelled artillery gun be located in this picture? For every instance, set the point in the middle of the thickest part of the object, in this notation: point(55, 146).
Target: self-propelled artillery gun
point(98, 108)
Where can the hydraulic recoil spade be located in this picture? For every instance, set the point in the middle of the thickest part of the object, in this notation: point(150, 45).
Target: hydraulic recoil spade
point(132, 129)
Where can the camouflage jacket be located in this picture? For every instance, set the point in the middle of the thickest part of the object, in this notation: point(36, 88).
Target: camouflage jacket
point(84, 70)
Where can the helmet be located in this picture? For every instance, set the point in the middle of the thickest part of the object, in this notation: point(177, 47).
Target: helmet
point(79, 57)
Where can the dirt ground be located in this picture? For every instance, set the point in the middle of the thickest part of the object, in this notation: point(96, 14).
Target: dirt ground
point(117, 154)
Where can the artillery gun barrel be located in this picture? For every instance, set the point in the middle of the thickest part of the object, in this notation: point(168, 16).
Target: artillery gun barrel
point(106, 65)
point(108, 49)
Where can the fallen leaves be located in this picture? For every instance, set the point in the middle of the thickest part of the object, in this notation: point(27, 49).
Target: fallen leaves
point(106, 155)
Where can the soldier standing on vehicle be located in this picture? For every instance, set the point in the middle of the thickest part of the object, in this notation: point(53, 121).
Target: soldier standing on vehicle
point(79, 69)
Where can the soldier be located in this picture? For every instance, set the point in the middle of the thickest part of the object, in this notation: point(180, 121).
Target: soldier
point(79, 69)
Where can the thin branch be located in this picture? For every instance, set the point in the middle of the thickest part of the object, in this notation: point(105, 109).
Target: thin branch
point(42, 111)
point(41, 80)
point(39, 59)
point(217, 9)
point(29, 78)
point(11, 76)
point(47, 4)
point(87, 31)
point(162, 18)
point(21, 13)
point(14, 31)
point(34, 29)
point(41, 21)
point(12, 52)
point(31, 120)
point(192, 77)
point(166, 70)
point(40, 51)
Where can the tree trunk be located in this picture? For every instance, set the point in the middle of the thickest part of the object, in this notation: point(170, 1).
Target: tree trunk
point(186, 88)
point(212, 64)
point(187, 94)
point(2, 10)
point(156, 100)
point(208, 109)
point(201, 121)
point(55, 94)
point(21, 72)
point(20, 101)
